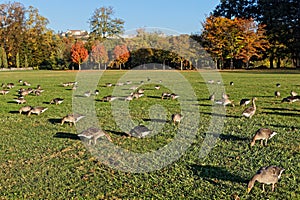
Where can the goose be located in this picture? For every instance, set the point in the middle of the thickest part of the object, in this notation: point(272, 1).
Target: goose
point(4, 92)
point(278, 85)
point(225, 96)
point(74, 87)
point(244, 102)
point(293, 93)
point(174, 96)
point(157, 87)
point(108, 98)
point(20, 100)
point(210, 81)
point(96, 92)
point(277, 94)
point(262, 134)
point(119, 84)
point(250, 111)
point(129, 98)
point(56, 101)
point(93, 134)
point(10, 85)
point(141, 91)
point(25, 83)
point(219, 82)
point(133, 87)
point(291, 99)
point(165, 95)
point(141, 82)
point(3, 85)
point(72, 118)
point(20, 81)
point(38, 87)
point(37, 110)
point(176, 118)
point(140, 131)
point(225, 102)
point(212, 97)
point(148, 79)
point(87, 93)
point(25, 109)
point(128, 82)
point(109, 84)
point(65, 84)
point(266, 175)
point(231, 83)
point(137, 95)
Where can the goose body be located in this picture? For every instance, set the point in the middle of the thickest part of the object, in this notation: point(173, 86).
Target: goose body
point(174, 96)
point(37, 110)
point(109, 98)
point(263, 134)
point(109, 84)
point(10, 85)
point(293, 93)
point(25, 109)
point(225, 102)
point(277, 94)
point(56, 101)
point(157, 87)
point(266, 175)
point(140, 131)
point(225, 96)
point(250, 111)
point(129, 98)
point(137, 95)
point(212, 97)
point(244, 102)
point(72, 119)
point(176, 118)
point(87, 94)
point(4, 92)
point(92, 134)
point(20, 100)
point(165, 95)
point(291, 99)
point(231, 83)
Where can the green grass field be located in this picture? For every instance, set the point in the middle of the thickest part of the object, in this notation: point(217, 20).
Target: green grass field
point(42, 159)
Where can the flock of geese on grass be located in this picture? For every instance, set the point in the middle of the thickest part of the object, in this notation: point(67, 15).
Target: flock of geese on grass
point(268, 174)
point(265, 175)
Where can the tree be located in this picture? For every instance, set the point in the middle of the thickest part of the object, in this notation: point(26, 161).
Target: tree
point(99, 54)
point(103, 25)
point(121, 55)
point(79, 53)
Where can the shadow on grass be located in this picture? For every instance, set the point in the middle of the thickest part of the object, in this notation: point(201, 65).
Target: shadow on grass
point(66, 135)
point(15, 112)
point(45, 102)
point(154, 97)
point(220, 115)
point(117, 133)
point(281, 109)
point(282, 114)
point(229, 137)
point(54, 121)
point(213, 174)
point(156, 120)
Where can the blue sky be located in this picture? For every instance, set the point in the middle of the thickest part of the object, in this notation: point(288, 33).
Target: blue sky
point(181, 16)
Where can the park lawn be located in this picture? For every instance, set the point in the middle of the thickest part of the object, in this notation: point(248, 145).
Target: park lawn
point(42, 159)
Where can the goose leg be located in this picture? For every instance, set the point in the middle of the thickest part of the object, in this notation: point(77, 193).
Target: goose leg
point(263, 186)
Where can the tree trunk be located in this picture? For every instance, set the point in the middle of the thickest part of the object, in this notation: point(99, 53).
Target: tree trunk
point(79, 67)
point(231, 63)
point(99, 66)
point(271, 62)
point(181, 65)
point(278, 63)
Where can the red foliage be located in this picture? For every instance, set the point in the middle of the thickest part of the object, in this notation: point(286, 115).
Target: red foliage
point(79, 53)
point(121, 54)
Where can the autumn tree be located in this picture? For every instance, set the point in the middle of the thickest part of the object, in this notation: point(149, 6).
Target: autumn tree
point(121, 55)
point(79, 53)
point(104, 25)
point(99, 54)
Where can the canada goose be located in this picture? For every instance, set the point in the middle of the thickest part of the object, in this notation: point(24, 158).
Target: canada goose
point(128, 82)
point(25, 83)
point(129, 98)
point(219, 82)
point(20, 81)
point(38, 87)
point(109, 84)
point(94, 134)
point(293, 93)
point(231, 83)
point(174, 96)
point(133, 87)
point(96, 92)
point(212, 97)
point(56, 101)
point(140, 131)
point(157, 87)
point(3, 85)
point(137, 95)
point(74, 87)
point(148, 79)
point(87, 93)
point(10, 85)
point(250, 111)
point(109, 98)
point(210, 81)
point(141, 82)
point(38, 92)
point(165, 95)
point(291, 99)
point(176, 118)
point(262, 134)
point(278, 85)
point(244, 102)
point(141, 91)
point(266, 175)
point(119, 84)
point(277, 94)
point(225, 96)
point(20, 100)
point(225, 102)
point(25, 109)
point(37, 110)
point(65, 84)
point(72, 118)
point(4, 92)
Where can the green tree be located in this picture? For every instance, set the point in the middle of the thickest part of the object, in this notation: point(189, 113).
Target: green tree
point(103, 25)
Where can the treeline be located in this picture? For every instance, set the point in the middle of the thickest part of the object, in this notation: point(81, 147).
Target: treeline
point(237, 34)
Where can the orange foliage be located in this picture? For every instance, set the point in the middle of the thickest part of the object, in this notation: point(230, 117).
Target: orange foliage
point(79, 53)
